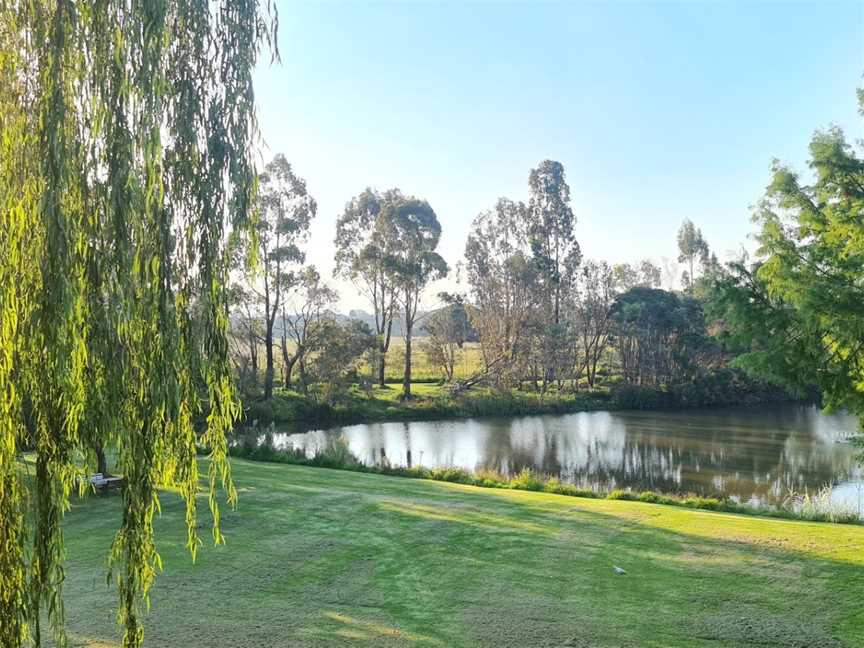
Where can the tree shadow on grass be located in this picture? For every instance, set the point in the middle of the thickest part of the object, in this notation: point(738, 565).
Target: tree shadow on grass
point(737, 590)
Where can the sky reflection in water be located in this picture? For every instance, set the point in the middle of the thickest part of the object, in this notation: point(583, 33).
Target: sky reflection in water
point(755, 454)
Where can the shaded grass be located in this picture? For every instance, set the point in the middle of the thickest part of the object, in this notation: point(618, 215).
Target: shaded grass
point(327, 558)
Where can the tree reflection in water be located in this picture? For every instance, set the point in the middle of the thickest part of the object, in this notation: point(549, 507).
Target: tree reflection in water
point(754, 454)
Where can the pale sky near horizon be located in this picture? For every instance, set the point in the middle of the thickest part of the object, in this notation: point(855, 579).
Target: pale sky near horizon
point(659, 112)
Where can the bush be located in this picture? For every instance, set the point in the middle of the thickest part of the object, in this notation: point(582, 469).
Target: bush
point(555, 486)
point(642, 398)
point(527, 480)
point(490, 479)
point(456, 475)
point(259, 413)
point(335, 455)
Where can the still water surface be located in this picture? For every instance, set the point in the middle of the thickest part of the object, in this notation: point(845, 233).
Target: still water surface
point(755, 454)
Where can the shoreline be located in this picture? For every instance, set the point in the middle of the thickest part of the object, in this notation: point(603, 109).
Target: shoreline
point(529, 480)
point(434, 402)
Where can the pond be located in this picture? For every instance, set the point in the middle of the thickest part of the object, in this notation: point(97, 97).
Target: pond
point(756, 455)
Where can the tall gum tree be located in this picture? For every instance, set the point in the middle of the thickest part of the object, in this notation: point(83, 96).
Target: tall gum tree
point(556, 254)
point(550, 232)
point(125, 169)
point(285, 212)
point(692, 250)
point(413, 263)
point(503, 282)
point(364, 241)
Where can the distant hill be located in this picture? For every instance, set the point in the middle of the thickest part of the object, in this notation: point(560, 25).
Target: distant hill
point(369, 319)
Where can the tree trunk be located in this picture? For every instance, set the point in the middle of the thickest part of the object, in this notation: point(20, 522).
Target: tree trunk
point(101, 460)
point(406, 380)
point(286, 375)
point(253, 355)
point(302, 367)
point(381, 353)
point(268, 374)
point(289, 369)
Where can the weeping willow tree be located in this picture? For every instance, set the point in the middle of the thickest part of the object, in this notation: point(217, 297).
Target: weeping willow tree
point(125, 171)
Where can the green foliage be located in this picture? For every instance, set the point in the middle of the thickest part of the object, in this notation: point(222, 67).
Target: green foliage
point(797, 313)
point(556, 253)
point(434, 401)
point(527, 480)
point(693, 247)
point(637, 397)
point(660, 337)
point(342, 347)
point(413, 262)
point(285, 212)
point(125, 166)
point(364, 246)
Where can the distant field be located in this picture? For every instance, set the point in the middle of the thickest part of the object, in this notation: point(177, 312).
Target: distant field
point(468, 363)
point(319, 558)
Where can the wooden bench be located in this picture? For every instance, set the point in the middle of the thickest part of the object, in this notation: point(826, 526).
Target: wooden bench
point(102, 483)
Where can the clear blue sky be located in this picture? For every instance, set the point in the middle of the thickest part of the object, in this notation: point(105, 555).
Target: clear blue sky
point(659, 112)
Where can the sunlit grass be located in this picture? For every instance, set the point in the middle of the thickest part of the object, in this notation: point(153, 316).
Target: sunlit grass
point(318, 557)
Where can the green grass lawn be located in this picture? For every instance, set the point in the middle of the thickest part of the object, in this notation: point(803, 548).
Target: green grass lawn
point(318, 557)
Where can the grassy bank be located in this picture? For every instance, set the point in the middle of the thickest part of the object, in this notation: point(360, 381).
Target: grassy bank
point(338, 457)
point(327, 558)
point(430, 401)
point(435, 401)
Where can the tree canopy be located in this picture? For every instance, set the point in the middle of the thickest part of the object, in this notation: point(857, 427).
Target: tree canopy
point(125, 169)
point(797, 313)
point(364, 241)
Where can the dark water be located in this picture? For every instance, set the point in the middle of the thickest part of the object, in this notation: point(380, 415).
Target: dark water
point(757, 455)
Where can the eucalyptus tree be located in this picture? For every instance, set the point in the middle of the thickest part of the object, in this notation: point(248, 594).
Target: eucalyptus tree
point(285, 212)
point(245, 336)
point(595, 288)
point(504, 284)
point(646, 274)
point(125, 168)
point(344, 348)
point(550, 232)
point(304, 325)
point(413, 263)
point(448, 329)
point(692, 248)
point(364, 239)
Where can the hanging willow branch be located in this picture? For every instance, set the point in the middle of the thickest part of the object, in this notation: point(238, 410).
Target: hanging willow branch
point(125, 169)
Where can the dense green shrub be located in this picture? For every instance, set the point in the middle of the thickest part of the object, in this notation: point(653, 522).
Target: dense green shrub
point(638, 397)
point(527, 480)
point(456, 475)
